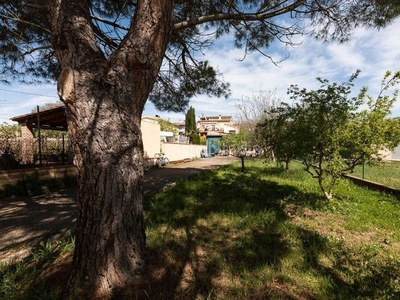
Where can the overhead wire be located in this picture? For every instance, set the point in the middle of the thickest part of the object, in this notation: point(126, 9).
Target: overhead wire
point(6, 102)
point(27, 93)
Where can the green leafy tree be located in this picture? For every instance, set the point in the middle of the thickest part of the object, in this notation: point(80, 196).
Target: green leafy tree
point(190, 121)
point(326, 130)
point(167, 125)
point(320, 117)
point(190, 126)
point(277, 132)
point(109, 58)
point(8, 131)
point(195, 138)
point(371, 131)
point(234, 141)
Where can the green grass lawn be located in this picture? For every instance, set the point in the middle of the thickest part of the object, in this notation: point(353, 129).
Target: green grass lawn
point(264, 234)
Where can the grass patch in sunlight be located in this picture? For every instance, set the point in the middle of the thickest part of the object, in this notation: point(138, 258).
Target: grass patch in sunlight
point(42, 275)
point(269, 234)
point(262, 234)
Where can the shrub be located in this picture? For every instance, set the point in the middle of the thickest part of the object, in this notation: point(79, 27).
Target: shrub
point(8, 159)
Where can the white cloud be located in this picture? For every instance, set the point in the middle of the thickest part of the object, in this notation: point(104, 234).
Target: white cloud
point(373, 52)
point(21, 99)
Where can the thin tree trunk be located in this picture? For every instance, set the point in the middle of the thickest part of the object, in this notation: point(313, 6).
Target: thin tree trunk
point(287, 164)
point(328, 194)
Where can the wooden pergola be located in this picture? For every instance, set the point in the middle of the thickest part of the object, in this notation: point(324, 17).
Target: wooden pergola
point(51, 119)
point(47, 119)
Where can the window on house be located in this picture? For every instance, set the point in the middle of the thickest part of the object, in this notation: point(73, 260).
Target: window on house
point(212, 127)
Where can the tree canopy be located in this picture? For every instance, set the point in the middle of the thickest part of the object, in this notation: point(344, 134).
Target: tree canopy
point(329, 132)
point(167, 125)
point(8, 131)
point(252, 110)
point(27, 53)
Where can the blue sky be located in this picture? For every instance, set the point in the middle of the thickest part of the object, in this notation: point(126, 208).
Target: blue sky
point(373, 52)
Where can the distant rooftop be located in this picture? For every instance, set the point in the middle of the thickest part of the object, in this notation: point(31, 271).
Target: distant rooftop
point(213, 118)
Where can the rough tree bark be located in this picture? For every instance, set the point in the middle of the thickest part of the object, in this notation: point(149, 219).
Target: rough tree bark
point(105, 97)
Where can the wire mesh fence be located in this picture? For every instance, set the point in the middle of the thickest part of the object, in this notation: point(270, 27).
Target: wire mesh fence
point(18, 153)
point(386, 173)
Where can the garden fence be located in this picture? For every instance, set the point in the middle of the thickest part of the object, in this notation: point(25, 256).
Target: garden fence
point(18, 153)
point(386, 173)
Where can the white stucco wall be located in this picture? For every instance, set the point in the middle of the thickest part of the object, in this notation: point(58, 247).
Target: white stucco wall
point(177, 152)
point(151, 136)
point(395, 155)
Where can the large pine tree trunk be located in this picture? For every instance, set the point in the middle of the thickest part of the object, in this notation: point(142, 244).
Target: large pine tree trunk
point(105, 97)
point(110, 237)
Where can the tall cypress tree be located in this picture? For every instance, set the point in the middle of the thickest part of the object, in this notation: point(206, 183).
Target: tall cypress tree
point(190, 121)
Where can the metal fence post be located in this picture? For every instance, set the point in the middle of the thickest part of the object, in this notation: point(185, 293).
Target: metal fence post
point(39, 135)
point(363, 171)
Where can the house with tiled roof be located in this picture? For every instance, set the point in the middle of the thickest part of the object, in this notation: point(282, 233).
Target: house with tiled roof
point(222, 125)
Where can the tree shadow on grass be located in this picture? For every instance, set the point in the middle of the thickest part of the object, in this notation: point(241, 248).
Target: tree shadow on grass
point(210, 228)
point(25, 221)
point(209, 236)
point(352, 275)
point(41, 275)
point(215, 233)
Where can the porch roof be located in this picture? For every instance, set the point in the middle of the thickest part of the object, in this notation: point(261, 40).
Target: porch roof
point(51, 118)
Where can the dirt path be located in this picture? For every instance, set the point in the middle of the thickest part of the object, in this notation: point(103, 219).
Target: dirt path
point(24, 222)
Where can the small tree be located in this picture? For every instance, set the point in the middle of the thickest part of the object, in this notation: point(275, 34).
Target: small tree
point(370, 130)
point(277, 131)
point(234, 141)
point(329, 134)
point(190, 126)
point(203, 140)
point(320, 117)
point(253, 110)
point(195, 138)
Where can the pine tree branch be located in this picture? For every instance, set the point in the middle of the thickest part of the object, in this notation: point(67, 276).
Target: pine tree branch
point(263, 15)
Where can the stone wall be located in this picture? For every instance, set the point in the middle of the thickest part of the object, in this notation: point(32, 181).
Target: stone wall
point(11, 177)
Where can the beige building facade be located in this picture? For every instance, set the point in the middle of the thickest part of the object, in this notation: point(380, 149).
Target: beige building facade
point(218, 124)
point(54, 118)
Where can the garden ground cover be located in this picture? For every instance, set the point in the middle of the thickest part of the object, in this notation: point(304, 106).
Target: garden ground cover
point(262, 234)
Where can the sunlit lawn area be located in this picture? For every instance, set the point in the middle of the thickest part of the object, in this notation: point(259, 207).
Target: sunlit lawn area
point(264, 234)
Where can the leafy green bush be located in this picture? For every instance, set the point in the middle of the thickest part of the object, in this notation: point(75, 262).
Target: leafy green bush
point(195, 138)
point(8, 160)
